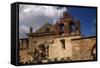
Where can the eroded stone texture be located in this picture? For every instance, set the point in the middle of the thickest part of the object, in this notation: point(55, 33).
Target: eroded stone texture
point(58, 42)
point(84, 48)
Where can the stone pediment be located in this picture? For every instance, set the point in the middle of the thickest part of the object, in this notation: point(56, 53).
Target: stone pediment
point(46, 28)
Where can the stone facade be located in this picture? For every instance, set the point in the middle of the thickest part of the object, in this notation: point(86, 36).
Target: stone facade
point(59, 42)
point(82, 48)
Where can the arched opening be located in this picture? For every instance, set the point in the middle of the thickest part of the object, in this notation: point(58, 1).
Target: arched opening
point(61, 26)
point(40, 53)
point(93, 52)
point(72, 27)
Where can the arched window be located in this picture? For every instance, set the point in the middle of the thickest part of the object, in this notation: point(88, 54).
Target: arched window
point(61, 26)
point(93, 52)
point(72, 27)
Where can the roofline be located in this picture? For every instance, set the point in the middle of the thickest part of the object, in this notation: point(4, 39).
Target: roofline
point(23, 39)
point(83, 38)
point(43, 26)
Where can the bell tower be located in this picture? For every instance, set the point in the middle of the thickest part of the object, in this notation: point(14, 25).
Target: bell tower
point(66, 25)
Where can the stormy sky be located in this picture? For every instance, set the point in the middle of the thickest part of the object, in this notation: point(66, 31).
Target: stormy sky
point(36, 16)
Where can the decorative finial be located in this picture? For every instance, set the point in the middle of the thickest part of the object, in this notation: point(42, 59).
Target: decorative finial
point(65, 14)
point(31, 30)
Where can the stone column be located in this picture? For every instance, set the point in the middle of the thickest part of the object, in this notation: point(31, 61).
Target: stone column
point(46, 51)
point(30, 44)
point(20, 44)
point(30, 35)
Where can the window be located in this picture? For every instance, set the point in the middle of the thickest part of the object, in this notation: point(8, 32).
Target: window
point(63, 43)
point(72, 28)
point(61, 27)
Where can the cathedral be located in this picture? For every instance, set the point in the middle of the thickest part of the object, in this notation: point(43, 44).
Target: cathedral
point(60, 42)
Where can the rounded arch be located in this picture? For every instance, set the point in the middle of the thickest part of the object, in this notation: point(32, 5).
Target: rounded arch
point(93, 51)
point(41, 47)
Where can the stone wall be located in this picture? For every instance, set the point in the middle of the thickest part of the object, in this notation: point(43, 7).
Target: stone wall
point(82, 48)
point(56, 49)
point(63, 47)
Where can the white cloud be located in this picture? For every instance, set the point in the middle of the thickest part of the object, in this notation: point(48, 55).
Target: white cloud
point(24, 28)
point(36, 16)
